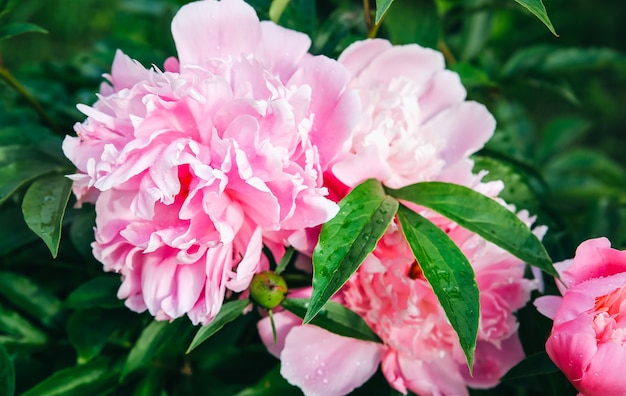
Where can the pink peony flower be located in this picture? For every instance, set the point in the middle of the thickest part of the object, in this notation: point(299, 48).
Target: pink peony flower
point(588, 339)
point(420, 350)
point(416, 125)
point(190, 167)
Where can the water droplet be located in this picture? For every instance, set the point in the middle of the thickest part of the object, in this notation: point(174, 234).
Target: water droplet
point(326, 381)
point(307, 377)
point(320, 372)
point(49, 198)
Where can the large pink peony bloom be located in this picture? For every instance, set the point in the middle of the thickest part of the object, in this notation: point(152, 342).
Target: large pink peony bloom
point(420, 350)
point(416, 125)
point(588, 340)
point(190, 167)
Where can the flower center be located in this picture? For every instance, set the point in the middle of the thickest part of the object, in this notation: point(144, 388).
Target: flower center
point(607, 318)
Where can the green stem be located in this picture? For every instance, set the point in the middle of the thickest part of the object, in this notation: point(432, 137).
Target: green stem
point(21, 90)
point(447, 54)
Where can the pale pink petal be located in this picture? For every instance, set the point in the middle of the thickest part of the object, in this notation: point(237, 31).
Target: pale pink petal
point(325, 364)
point(282, 49)
point(444, 90)
point(284, 321)
point(214, 29)
point(360, 54)
point(548, 305)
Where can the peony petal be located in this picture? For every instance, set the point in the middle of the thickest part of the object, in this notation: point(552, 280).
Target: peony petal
point(548, 305)
point(605, 374)
point(214, 29)
point(492, 362)
point(360, 54)
point(572, 346)
point(594, 258)
point(325, 364)
point(284, 321)
point(282, 49)
point(444, 90)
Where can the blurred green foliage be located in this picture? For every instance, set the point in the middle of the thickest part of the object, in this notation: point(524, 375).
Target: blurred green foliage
point(558, 147)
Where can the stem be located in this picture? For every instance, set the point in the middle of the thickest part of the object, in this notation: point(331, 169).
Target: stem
point(368, 15)
point(443, 47)
point(21, 90)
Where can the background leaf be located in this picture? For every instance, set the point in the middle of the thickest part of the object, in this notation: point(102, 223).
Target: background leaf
point(17, 28)
point(7, 373)
point(229, 312)
point(414, 21)
point(99, 292)
point(449, 273)
point(335, 318)
point(382, 6)
point(345, 241)
point(44, 206)
point(537, 8)
point(482, 215)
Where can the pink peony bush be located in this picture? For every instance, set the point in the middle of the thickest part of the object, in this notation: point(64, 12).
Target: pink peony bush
point(416, 126)
point(193, 168)
point(588, 339)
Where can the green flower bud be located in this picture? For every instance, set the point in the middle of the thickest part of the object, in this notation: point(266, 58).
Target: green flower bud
point(268, 289)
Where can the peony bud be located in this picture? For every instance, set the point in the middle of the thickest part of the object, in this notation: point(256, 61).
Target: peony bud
point(268, 289)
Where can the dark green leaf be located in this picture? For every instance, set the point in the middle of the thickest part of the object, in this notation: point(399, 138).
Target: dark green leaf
point(229, 312)
point(17, 28)
point(482, 215)
point(347, 239)
point(285, 260)
point(88, 331)
point(81, 230)
point(31, 298)
point(533, 365)
point(335, 318)
point(44, 206)
point(98, 292)
point(19, 173)
point(381, 9)
point(414, 21)
point(449, 273)
point(13, 323)
point(271, 384)
point(155, 336)
point(537, 8)
point(94, 377)
point(14, 233)
point(559, 134)
point(152, 384)
point(7, 373)
point(471, 76)
point(476, 28)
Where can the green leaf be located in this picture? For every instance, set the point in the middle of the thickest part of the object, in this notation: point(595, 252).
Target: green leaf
point(347, 239)
point(152, 384)
point(277, 8)
point(94, 377)
point(536, 364)
point(559, 134)
point(13, 323)
point(284, 262)
point(472, 77)
point(156, 335)
point(335, 318)
point(482, 215)
point(271, 384)
point(44, 206)
point(14, 234)
point(81, 233)
point(7, 373)
point(17, 28)
point(89, 330)
point(100, 292)
point(31, 298)
point(413, 21)
point(229, 312)
point(449, 273)
point(537, 8)
point(381, 9)
point(17, 174)
point(476, 28)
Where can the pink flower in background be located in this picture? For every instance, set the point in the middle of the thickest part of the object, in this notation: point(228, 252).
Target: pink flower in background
point(588, 339)
point(416, 125)
point(420, 350)
point(191, 166)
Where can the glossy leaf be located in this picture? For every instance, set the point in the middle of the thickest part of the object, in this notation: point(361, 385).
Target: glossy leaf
point(17, 28)
point(31, 298)
point(284, 262)
point(19, 173)
point(482, 215)
point(382, 6)
point(537, 8)
point(229, 312)
point(44, 206)
point(449, 273)
point(347, 239)
point(92, 378)
point(99, 292)
point(335, 318)
point(89, 330)
point(7, 373)
point(14, 234)
point(535, 364)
